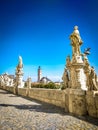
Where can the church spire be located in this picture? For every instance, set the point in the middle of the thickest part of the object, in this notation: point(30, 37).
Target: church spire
point(39, 73)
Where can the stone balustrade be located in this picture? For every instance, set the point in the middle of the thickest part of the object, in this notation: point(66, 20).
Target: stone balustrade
point(76, 101)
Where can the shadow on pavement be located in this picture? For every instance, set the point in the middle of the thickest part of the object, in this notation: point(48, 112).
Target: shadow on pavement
point(46, 108)
point(4, 92)
point(43, 107)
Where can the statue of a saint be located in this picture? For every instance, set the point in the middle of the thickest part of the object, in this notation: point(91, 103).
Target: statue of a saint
point(20, 64)
point(65, 78)
point(76, 41)
point(93, 80)
point(19, 67)
point(68, 61)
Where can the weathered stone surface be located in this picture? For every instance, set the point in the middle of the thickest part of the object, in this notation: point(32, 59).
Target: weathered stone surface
point(76, 101)
point(56, 97)
point(22, 91)
point(92, 104)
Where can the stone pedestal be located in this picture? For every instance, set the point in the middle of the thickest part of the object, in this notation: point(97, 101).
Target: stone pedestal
point(19, 79)
point(92, 103)
point(75, 101)
point(77, 76)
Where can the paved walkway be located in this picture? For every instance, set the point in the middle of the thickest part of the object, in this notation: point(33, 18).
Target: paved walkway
point(18, 113)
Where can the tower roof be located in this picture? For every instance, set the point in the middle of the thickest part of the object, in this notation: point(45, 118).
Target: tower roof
point(39, 67)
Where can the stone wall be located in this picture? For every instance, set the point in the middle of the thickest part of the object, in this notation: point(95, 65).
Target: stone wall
point(22, 91)
point(56, 97)
point(76, 101)
point(10, 89)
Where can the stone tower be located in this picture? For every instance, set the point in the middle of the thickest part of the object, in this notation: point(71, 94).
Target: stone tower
point(39, 73)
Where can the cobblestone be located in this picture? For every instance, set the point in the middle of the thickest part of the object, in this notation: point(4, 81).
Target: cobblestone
point(18, 113)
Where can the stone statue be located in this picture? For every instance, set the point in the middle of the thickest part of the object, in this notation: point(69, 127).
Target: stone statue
point(19, 74)
point(65, 78)
point(20, 65)
point(93, 80)
point(76, 41)
point(2, 80)
point(20, 62)
point(6, 80)
point(87, 69)
point(68, 61)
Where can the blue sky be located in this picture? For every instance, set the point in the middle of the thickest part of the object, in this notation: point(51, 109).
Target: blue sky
point(39, 30)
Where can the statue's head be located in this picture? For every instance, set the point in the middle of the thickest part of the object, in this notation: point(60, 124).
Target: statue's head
point(20, 58)
point(76, 31)
point(20, 64)
point(75, 27)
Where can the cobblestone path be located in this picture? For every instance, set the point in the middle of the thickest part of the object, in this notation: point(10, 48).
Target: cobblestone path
point(18, 113)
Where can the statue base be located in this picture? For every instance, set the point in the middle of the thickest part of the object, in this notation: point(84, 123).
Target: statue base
point(77, 75)
point(75, 101)
point(92, 103)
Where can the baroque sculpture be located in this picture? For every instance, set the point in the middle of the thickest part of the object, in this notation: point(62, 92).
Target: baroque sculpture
point(6, 80)
point(76, 41)
point(81, 74)
point(19, 74)
point(92, 80)
point(65, 78)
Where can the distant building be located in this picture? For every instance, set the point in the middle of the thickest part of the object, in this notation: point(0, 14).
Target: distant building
point(42, 79)
point(45, 80)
